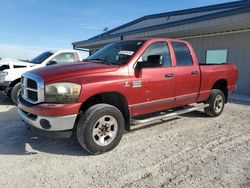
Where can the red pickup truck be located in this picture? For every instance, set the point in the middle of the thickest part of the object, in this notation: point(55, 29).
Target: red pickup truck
point(123, 83)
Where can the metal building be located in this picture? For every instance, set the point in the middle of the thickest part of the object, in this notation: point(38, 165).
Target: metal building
point(220, 32)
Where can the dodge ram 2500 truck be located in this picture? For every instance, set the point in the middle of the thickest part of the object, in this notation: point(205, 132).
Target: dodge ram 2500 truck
point(120, 85)
point(11, 69)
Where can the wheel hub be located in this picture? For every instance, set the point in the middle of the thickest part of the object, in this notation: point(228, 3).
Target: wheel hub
point(218, 104)
point(105, 130)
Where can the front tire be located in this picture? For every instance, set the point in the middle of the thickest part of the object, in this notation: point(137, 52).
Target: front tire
point(100, 128)
point(15, 92)
point(216, 103)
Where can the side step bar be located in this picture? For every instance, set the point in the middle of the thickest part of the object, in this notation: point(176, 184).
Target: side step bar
point(169, 115)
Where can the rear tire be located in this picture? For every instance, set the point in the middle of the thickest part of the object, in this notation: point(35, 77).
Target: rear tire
point(100, 128)
point(15, 92)
point(216, 103)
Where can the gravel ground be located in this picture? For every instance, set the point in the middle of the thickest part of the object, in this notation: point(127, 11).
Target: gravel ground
point(191, 151)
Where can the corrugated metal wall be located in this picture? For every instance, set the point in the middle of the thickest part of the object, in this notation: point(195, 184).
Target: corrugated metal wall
point(221, 24)
point(166, 19)
point(238, 45)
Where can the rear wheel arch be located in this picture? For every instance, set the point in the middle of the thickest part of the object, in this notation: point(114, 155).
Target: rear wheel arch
point(221, 85)
point(115, 99)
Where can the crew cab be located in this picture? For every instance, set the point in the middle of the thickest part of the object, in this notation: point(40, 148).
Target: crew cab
point(124, 83)
point(11, 69)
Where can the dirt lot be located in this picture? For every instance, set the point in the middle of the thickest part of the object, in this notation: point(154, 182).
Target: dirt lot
point(191, 151)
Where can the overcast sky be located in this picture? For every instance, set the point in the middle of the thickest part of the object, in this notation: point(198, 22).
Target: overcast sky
point(28, 27)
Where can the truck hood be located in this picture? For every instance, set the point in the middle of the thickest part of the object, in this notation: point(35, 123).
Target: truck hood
point(57, 72)
point(9, 63)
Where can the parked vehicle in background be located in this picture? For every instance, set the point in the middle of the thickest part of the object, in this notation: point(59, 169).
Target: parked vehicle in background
point(11, 69)
point(120, 85)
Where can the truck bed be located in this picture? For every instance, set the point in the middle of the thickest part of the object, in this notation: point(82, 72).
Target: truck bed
point(214, 72)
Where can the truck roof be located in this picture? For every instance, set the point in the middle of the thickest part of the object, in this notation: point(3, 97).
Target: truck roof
point(62, 50)
point(155, 39)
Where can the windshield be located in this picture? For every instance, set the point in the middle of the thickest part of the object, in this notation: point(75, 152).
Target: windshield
point(117, 53)
point(41, 58)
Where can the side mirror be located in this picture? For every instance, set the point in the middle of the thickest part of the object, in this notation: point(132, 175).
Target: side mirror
point(52, 62)
point(139, 64)
point(152, 61)
point(156, 60)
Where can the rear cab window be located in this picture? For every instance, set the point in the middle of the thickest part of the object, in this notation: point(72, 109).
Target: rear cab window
point(182, 54)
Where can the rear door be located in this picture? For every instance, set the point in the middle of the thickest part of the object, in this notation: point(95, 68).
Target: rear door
point(187, 75)
point(155, 85)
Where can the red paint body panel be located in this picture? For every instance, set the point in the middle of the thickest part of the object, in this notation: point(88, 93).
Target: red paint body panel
point(212, 73)
point(156, 92)
point(75, 69)
point(55, 110)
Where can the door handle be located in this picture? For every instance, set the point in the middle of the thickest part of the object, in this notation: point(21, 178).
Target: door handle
point(169, 75)
point(194, 72)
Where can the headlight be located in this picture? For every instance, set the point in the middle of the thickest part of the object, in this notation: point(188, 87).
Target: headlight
point(2, 76)
point(62, 92)
point(3, 73)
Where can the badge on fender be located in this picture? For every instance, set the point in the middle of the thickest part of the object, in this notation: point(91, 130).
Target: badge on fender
point(137, 83)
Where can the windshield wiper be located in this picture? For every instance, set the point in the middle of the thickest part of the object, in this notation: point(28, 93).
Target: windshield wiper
point(98, 60)
point(114, 63)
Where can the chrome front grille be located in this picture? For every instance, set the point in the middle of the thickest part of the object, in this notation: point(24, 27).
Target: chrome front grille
point(32, 88)
point(32, 95)
point(31, 83)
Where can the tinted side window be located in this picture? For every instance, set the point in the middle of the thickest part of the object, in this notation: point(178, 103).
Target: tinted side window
point(64, 58)
point(182, 54)
point(158, 48)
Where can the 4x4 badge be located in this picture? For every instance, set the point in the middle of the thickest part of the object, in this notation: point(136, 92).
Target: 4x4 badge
point(126, 84)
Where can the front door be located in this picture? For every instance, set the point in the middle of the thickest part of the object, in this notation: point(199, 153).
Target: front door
point(154, 84)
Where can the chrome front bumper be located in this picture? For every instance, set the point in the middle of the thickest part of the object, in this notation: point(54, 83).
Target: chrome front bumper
point(49, 123)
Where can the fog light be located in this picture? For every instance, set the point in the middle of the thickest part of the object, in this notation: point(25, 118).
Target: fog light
point(45, 124)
